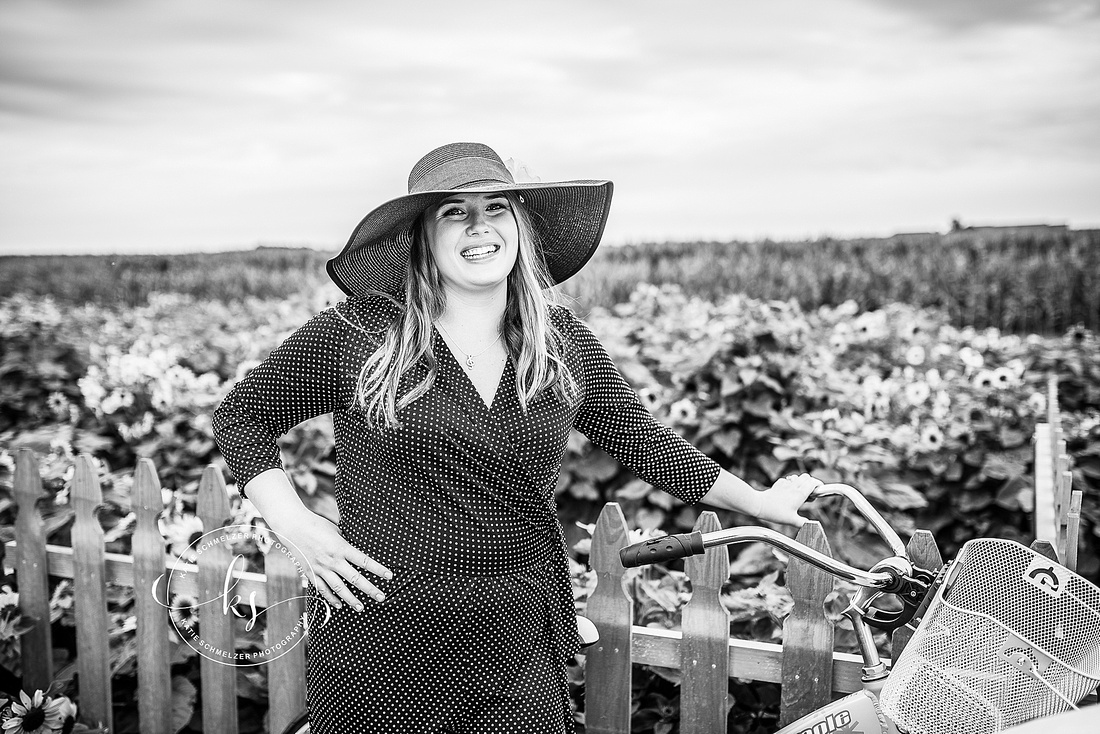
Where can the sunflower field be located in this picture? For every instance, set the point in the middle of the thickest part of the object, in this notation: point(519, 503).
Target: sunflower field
point(930, 419)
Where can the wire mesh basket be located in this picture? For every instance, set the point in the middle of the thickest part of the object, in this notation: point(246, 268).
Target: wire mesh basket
point(1010, 636)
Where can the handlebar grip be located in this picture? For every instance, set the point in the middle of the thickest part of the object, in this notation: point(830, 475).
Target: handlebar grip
point(665, 548)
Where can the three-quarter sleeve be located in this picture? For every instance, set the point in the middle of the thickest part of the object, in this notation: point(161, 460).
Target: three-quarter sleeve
point(613, 418)
point(297, 381)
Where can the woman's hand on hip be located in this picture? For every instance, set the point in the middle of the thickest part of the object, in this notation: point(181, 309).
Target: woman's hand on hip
point(332, 563)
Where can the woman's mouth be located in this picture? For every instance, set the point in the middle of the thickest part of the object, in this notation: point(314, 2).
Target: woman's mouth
point(480, 252)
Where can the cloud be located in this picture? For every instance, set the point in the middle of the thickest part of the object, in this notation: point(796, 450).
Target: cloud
point(214, 123)
point(970, 15)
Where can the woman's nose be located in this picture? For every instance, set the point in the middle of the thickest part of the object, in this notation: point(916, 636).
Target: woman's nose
point(478, 224)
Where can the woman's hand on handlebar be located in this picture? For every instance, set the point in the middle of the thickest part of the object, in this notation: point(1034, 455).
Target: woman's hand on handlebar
point(332, 563)
point(778, 503)
point(781, 502)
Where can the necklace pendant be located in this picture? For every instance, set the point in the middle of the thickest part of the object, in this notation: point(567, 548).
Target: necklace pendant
point(469, 362)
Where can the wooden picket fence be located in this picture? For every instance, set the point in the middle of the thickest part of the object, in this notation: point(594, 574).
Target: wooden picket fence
point(805, 665)
point(1057, 517)
point(91, 569)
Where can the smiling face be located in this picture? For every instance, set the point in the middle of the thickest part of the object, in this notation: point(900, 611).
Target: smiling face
point(474, 240)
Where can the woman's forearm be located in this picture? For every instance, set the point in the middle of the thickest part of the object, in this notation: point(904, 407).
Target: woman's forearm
point(779, 503)
point(276, 499)
point(730, 492)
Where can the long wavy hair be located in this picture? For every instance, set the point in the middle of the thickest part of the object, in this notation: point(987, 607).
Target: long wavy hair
point(530, 337)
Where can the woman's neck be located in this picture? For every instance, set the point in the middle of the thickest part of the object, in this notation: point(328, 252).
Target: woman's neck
point(475, 313)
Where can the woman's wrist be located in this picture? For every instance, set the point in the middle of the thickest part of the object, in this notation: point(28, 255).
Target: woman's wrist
point(732, 493)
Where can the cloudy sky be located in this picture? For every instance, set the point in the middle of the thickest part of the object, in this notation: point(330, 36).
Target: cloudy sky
point(194, 126)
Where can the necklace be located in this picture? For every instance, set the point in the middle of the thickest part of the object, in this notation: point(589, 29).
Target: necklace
point(469, 357)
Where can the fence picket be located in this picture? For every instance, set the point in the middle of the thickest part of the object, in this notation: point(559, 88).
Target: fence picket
point(219, 679)
point(704, 652)
point(150, 602)
point(33, 574)
point(1044, 517)
point(807, 633)
point(1073, 529)
point(1063, 487)
point(89, 597)
point(924, 553)
point(1045, 548)
point(286, 673)
point(607, 664)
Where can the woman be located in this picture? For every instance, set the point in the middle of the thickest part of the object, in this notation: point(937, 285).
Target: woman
point(454, 380)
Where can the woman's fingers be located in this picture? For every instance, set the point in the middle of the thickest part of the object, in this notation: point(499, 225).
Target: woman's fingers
point(353, 576)
point(335, 577)
point(793, 490)
point(368, 564)
point(326, 593)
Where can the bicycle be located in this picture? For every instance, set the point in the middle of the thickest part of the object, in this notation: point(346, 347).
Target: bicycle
point(1003, 634)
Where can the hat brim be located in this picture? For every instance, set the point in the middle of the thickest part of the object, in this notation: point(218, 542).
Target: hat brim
point(568, 216)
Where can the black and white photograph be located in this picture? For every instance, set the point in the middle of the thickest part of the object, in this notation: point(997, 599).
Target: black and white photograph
point(575, 368)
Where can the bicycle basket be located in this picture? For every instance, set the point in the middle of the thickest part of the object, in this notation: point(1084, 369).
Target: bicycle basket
point(1009, 637)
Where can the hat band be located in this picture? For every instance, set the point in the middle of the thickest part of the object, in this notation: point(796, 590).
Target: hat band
point(462, 173)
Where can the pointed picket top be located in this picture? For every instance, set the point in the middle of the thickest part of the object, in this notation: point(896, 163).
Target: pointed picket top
point(32, 570)
point(610, 608)
point(1045, 548)
point(924, 552)
point(807, 634)
point(87, 494)
point(29, 480)
point(704, 653)
point(147, 547)
point(219, 681)
point(806, 582)
point(89, 593)
point(146, 498)
point(1073, 529)
point(709, 571)
point(609, 536)
point(213, 502)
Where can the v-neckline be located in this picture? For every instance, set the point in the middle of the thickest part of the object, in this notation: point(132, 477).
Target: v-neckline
point(465, 380)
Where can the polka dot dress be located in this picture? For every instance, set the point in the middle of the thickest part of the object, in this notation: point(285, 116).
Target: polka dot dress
point(458, 501)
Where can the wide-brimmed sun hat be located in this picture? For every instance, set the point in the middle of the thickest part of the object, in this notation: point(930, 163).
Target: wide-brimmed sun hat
point(567, 216)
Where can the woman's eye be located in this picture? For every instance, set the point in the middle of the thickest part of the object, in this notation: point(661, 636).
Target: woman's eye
point(495, 206)
point(453, 211)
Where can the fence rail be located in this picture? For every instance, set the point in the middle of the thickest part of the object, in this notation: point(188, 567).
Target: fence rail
point(805, 665)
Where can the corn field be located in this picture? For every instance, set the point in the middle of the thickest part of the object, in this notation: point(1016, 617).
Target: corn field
point(1018, 283)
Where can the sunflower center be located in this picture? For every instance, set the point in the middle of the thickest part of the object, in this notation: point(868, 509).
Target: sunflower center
point(34, 718)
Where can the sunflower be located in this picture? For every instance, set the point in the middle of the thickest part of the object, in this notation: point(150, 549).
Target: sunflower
point(182, 532)
point(37, 714)
point(682, 411)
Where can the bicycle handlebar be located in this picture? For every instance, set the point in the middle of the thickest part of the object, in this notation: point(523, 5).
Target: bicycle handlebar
point(868, 511)
point(670, 547)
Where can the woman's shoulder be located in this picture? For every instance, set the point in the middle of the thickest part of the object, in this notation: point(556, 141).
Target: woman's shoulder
point(563, 318)
point(370, 315)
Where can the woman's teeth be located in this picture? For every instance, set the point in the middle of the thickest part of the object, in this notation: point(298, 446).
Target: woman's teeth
point(477, 253)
